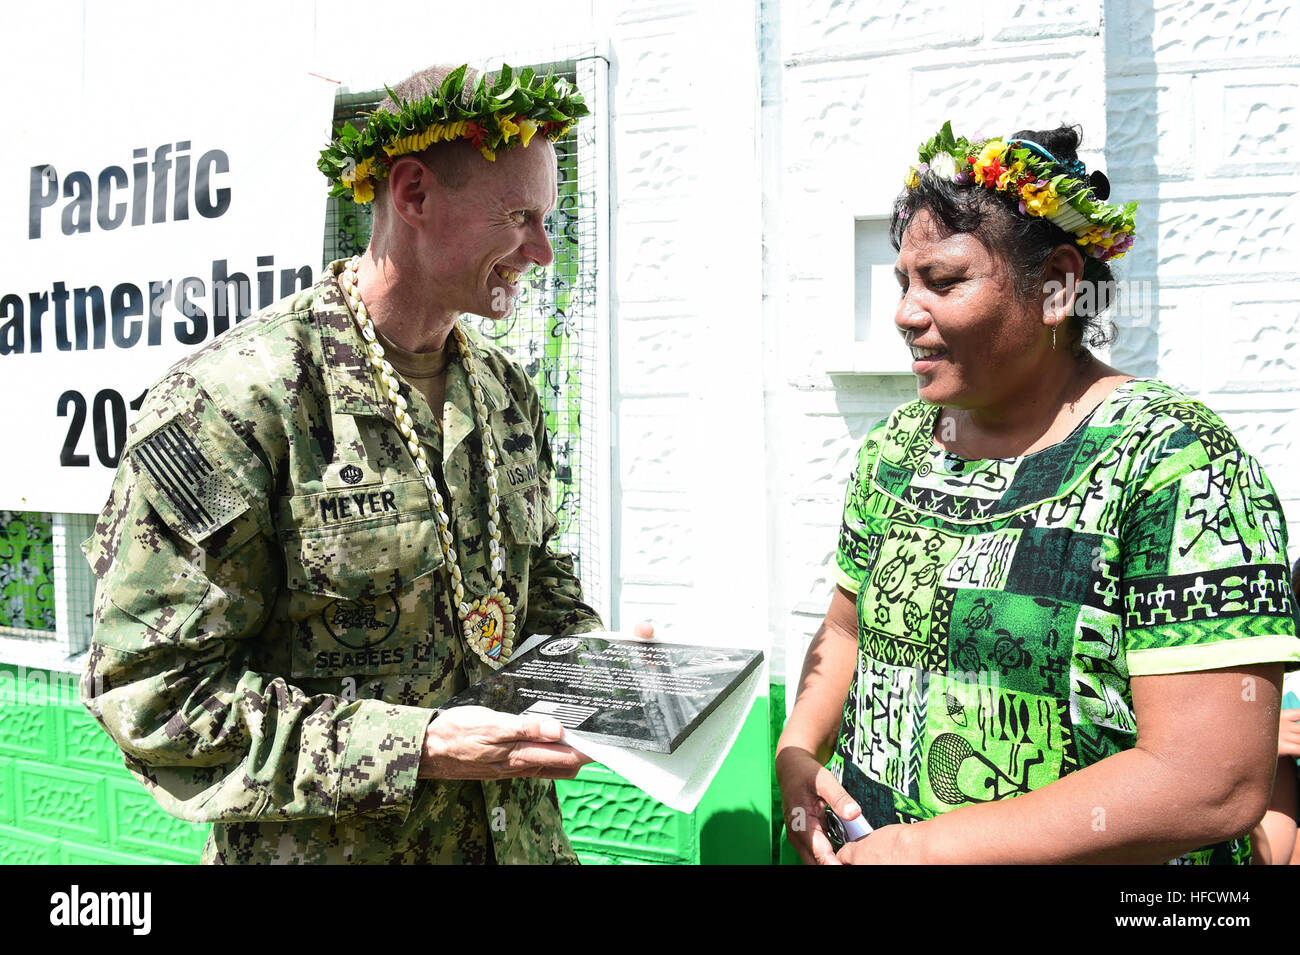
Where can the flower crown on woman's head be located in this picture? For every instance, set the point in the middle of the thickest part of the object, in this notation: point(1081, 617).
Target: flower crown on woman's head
point(1027, 172)
point(517, 106)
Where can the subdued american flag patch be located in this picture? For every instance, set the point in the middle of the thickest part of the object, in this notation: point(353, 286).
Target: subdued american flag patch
point(199, 491)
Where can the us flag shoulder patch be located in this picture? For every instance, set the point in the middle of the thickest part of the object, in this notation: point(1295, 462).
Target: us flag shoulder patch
point(198, 490)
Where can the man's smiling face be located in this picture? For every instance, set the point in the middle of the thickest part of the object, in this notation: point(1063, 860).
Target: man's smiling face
point(489, 230)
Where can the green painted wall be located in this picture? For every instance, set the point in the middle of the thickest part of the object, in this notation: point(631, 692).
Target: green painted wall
point(782, 852)
point(65, 796)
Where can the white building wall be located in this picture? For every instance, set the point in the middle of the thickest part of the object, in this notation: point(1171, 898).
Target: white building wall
point(1203, 103)
point(863, 85)
point(690, 459)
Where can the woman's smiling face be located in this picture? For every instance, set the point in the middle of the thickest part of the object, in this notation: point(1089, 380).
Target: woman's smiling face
point(976, 344)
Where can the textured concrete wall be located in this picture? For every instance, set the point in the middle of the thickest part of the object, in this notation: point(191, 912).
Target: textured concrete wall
point(65, 796)
point(690, 464)
point(862, 84)
point(1203, 104)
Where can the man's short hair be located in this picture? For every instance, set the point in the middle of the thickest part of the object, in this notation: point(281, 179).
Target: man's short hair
point(450, 162)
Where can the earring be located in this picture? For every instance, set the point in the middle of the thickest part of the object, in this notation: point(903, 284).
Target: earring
point(1053, 338)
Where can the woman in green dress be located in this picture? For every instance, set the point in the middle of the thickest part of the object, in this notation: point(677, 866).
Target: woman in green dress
point(1062, 602)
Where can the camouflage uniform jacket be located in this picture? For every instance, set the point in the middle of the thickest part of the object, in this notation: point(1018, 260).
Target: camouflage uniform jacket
point(273, 629)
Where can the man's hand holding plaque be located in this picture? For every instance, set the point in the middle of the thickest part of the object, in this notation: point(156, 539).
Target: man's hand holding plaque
point(473, 742)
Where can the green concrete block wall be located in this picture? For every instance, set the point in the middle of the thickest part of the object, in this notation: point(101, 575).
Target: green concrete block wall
point(735, 814)
point(611, 821)
point(776, 723)
point(66, 798)
point(782, 852)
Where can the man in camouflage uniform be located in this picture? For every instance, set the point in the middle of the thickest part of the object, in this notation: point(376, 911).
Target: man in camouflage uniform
point(274, 633)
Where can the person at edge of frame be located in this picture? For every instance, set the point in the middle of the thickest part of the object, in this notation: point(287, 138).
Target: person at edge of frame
point(1275, 837)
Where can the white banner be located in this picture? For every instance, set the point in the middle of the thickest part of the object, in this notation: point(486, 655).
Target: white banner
point(139, 224)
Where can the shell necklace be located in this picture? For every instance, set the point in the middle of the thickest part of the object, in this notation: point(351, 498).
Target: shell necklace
point(488, 621)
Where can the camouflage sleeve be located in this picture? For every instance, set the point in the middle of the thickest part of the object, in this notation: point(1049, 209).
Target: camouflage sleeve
point(189, 578)
point(555, 603)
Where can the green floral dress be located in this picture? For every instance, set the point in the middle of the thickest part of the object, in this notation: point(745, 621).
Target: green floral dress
point(1004, 604)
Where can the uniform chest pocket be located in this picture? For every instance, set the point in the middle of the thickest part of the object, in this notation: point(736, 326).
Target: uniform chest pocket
point(521, 525)
point(365, 598)
point(522, 514)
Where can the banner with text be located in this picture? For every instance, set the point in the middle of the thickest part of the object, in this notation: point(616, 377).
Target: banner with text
point(133, 237)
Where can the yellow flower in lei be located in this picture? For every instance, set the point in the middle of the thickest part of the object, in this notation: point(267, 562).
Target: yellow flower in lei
point(1038, 198)
point(411, 144)
point(1040, 185)
point(450, 131)
point(363, 190)
point(1098, 236)
point(419, 142)
point(988, 166)
point(493, 112)
point(361, 170)
point(508, 127)
point(359, 177)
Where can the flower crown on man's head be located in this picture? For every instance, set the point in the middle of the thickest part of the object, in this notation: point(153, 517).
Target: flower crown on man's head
point(1027, 172)
point(517, 106)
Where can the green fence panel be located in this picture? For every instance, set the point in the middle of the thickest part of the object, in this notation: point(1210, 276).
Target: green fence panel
point(26, 570)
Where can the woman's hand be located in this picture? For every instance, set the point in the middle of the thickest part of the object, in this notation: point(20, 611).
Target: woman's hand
point(888, 845)
point(807, 788)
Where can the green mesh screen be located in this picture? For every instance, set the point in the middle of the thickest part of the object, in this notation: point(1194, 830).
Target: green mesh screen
point(26, 570)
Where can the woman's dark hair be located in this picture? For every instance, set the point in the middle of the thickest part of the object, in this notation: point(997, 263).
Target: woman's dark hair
point(1022, 241)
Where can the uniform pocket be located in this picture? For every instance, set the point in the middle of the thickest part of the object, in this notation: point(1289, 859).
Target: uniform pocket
point(364, 598)
point(521, 514)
